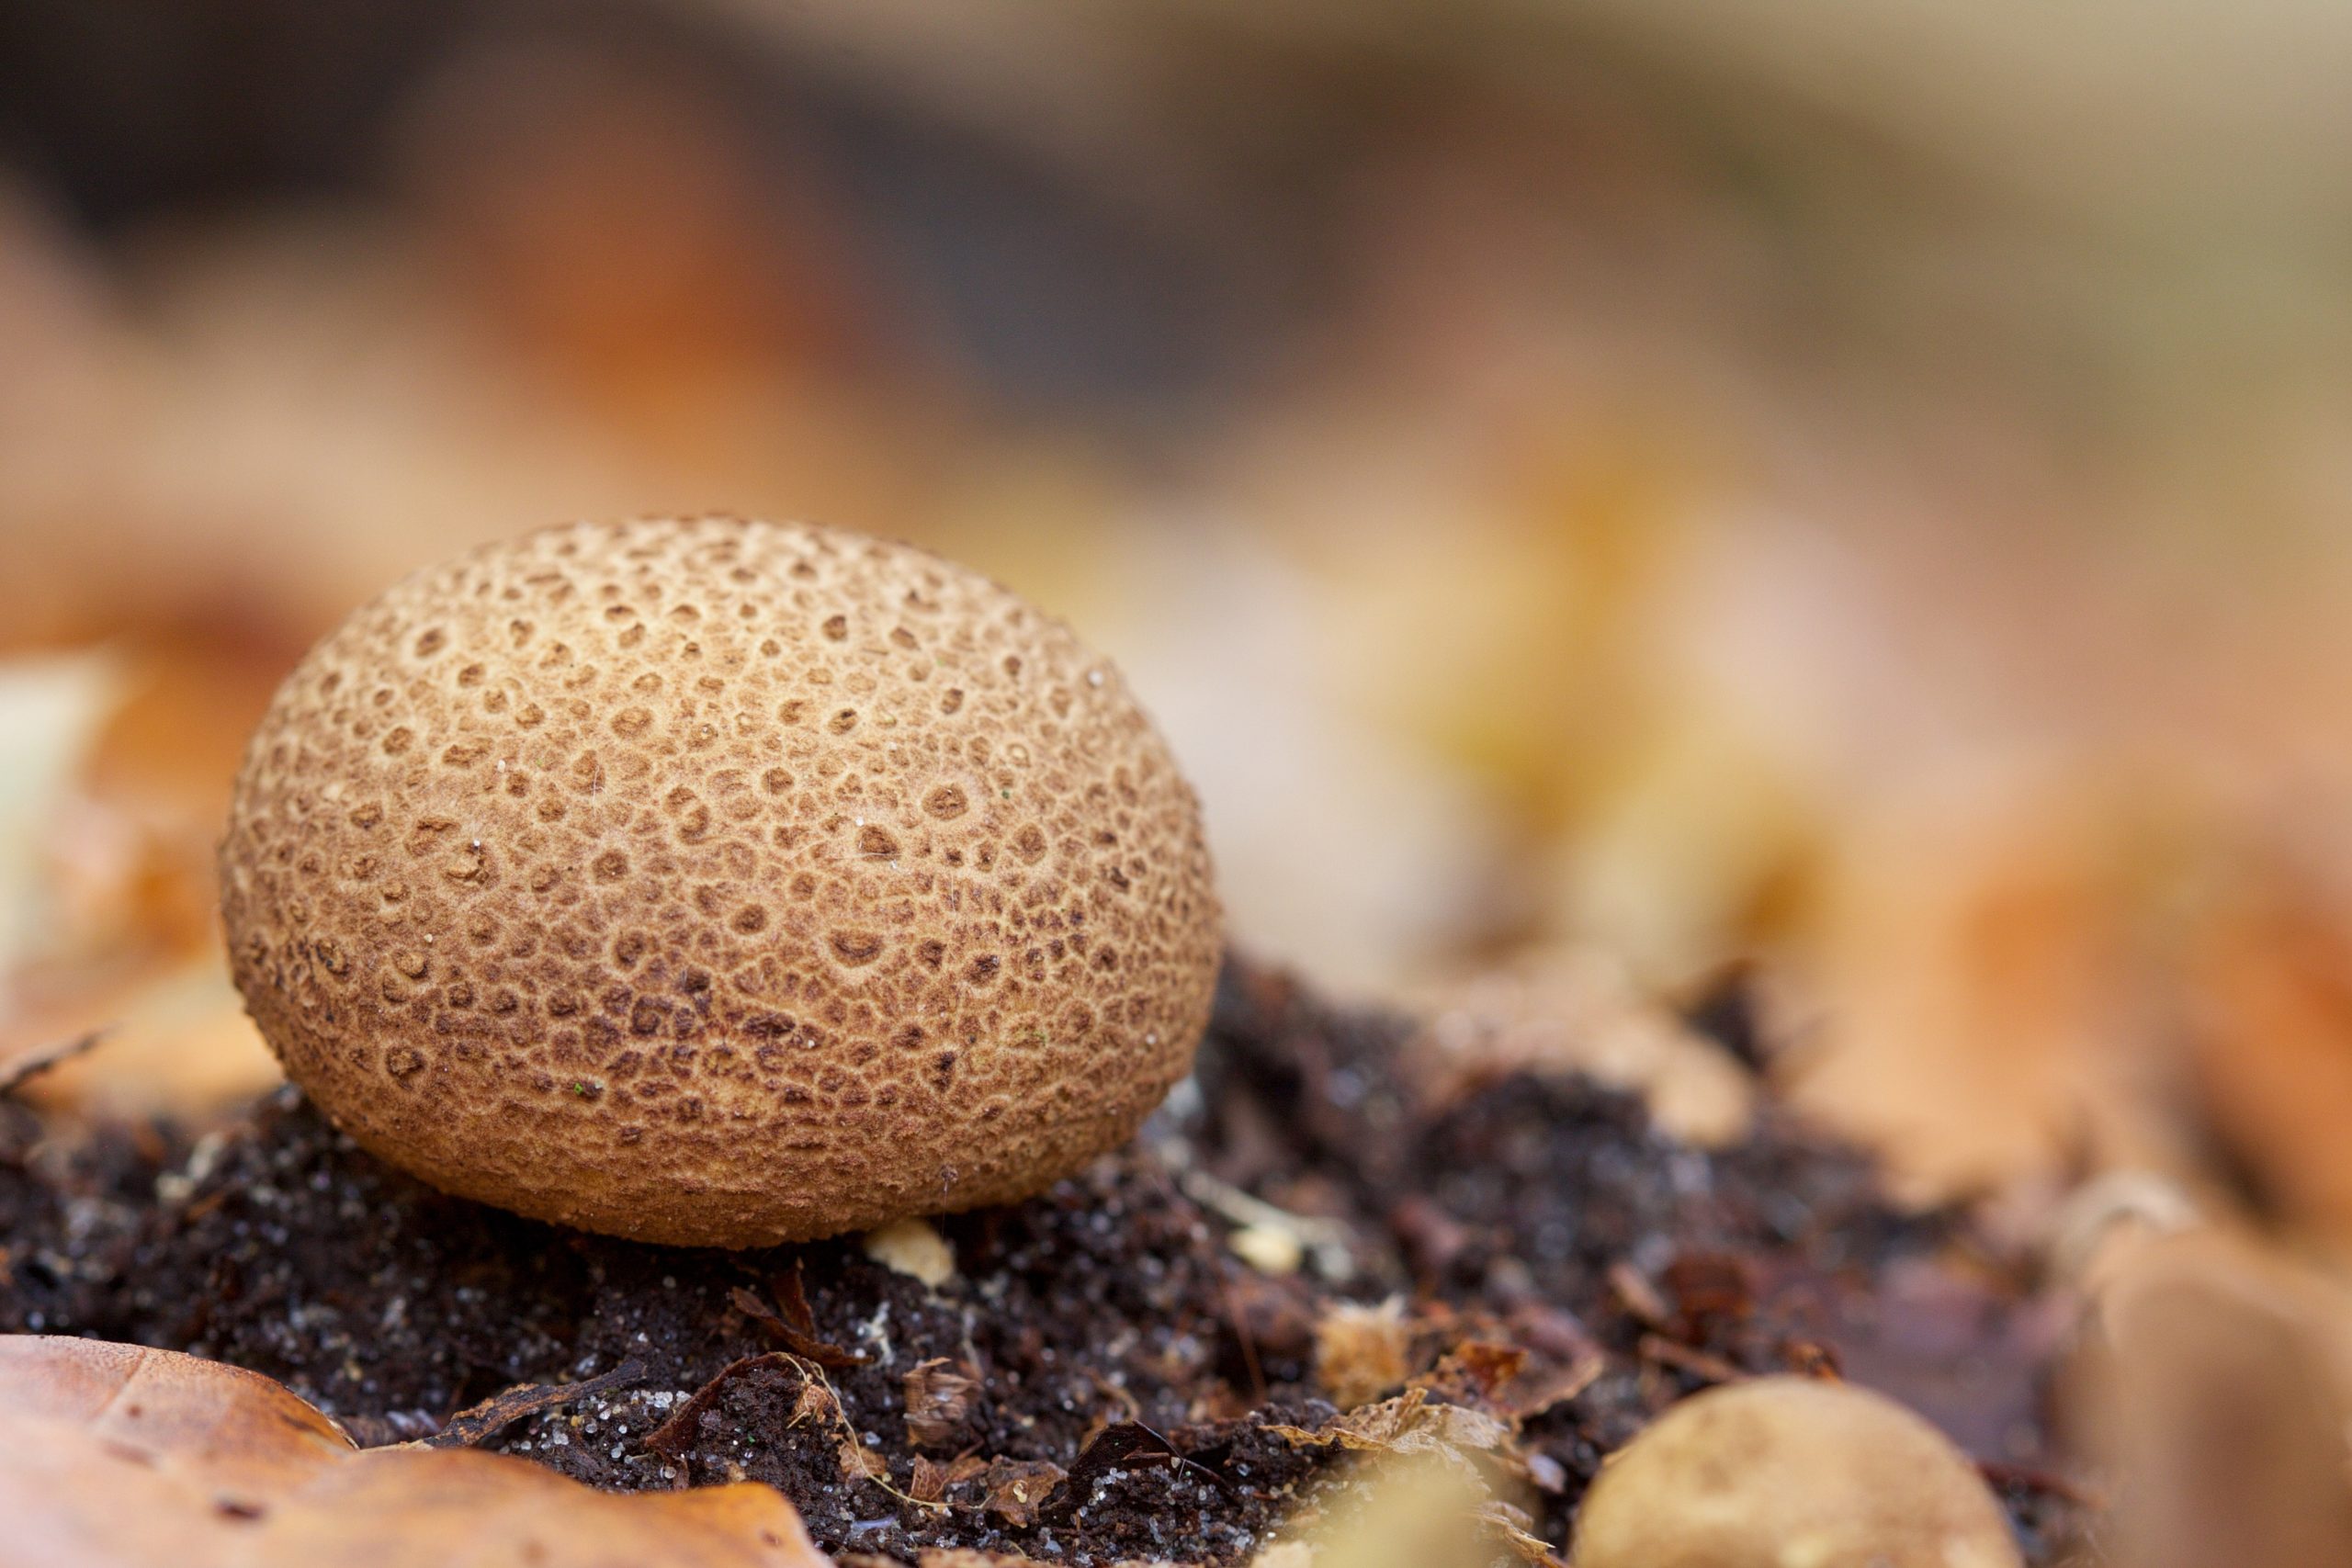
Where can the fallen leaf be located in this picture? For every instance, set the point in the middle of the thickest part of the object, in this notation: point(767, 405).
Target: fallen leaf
point(50, 709)
point(2269, 1015)
point(1416, 1509)
point(820, 1404)
point(1473, 1373)
point(858, 1460)
point(1510, 1523)
point(1016, 1487)
point(159, 1405)
point(939, 1397)
point(1360, 1351)
point(446, 1506)
point(177, 1043)
point(1510, 1381)
point(115, 1456)
point(1410, 1424)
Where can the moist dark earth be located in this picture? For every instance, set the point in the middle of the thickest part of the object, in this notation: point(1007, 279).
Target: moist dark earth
point(1105, 1379)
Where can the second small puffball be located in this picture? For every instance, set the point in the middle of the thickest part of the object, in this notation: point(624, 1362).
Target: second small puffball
point(1791, 1473)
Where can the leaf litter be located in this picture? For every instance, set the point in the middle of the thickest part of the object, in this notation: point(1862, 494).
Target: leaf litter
point(1510, 1273)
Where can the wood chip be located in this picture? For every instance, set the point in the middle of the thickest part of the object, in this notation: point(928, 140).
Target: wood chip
point(41, 1058)
point(477, 1424)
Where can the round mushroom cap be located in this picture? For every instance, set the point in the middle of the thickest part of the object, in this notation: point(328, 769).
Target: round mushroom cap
point(718, 883)
point(1791, 1473)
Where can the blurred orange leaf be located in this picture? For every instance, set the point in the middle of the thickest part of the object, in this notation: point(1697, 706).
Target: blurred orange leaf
point(2270, 1032)
point(114, 1455)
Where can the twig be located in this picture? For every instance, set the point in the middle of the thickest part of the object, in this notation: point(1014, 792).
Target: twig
point(1686, 1359)
point(666, 1439)
point(480, 1423)
point(41, 1058)
point(392, 1427)
point(794, 1339)
point(791, 1294)
point(2031, 1478)
point(1248, 1341)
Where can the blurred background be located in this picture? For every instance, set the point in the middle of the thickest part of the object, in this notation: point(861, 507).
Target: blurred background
point(1829, 512)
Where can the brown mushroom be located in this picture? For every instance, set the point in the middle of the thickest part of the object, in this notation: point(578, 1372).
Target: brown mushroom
point(719, 882)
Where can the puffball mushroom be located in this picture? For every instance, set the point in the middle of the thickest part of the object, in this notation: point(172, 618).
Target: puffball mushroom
point(1790, 1472)
point(718, 883)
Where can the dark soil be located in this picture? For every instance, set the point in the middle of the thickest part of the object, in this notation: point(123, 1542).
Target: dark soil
point(1103, 1378)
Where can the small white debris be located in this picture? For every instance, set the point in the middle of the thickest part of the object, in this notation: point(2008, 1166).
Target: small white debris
point(1268, 1248)
point(914, 1248)
point(876, 1331)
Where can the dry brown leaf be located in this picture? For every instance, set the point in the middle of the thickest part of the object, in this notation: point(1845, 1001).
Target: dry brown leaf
point(1408, 1424)
point(112, 765)
point(451, 1506)
point(2270, 1029)
point(177, 1042)
point(939, 1396)
point(1473, 1373)
point(1509, 1381)
point(50, 709)
point(152, 1405)
point(1016, 1487)
point(801, 1342)
point(929, 1481)
point(1984, 999)
point(1408, 1511)
point(114, 1456)
point(820, 1404)
point(1360, 1351)
point(858, 1460)
point(1415, 1438)
point(1510, 1523)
